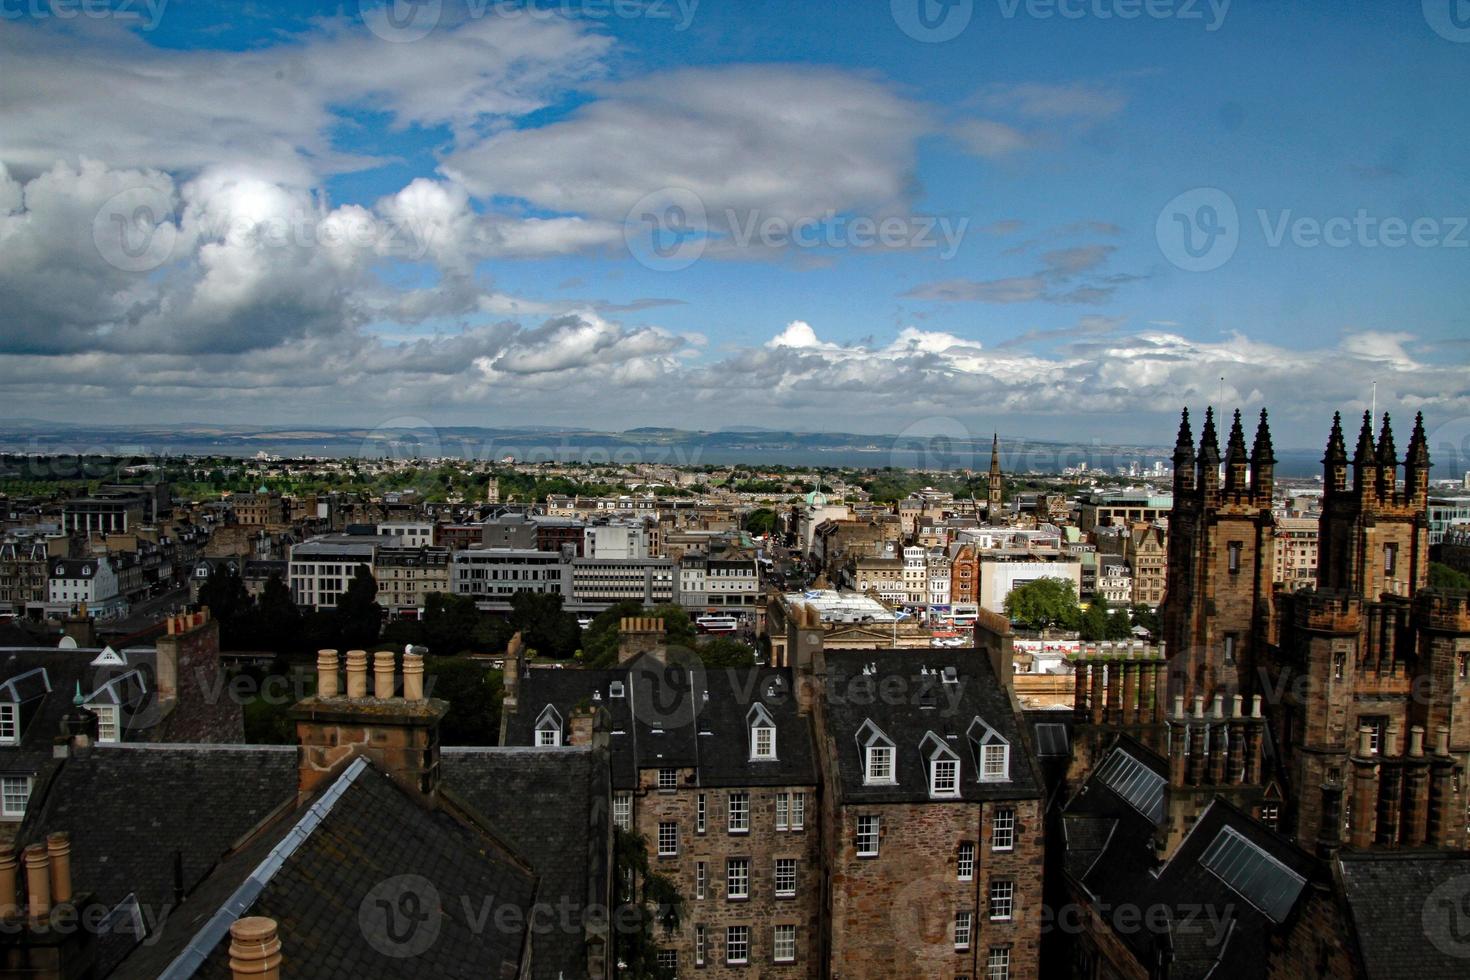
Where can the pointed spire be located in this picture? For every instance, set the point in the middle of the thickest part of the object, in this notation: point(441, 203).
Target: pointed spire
point(1184, 444)
point(1262, 451)
point(1336, 445)
point(1209, 442)
point(1365, 453)
point(78, 700)
point(1418, 454)
point(1235, 450)
point(1387, 456)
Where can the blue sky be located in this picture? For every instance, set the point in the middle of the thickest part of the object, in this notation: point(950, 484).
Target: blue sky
point(173, 181)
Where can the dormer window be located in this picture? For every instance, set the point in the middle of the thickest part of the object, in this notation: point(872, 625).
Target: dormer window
point(992, 753)
point(9, 724)
point(548, 728)
point(944, 767)
point(615, 689)
point(762, 732)
point(877, 750)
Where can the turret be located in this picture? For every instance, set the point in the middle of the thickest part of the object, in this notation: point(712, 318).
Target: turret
point(1388, 463)
point(1235, 459)
point(1263, 462)
point(1183, 457)
point(1334, 462)
point(1416, 466)
point(1365, 460)
point(1207, 470)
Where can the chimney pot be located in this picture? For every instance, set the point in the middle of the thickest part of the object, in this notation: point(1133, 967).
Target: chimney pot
point(1237, 706)
point(1442, 740)
point(1365, 742)
point(1256, 706)
point(255, 949)
point(356, 674)
point(1178, 706)
point(1390, 747)
point(38, 881)
point(1416, 741)
point(1219, 706)
point(1199, 705)
point(9, 895)
point(413, 676)
point(326, 673)
point(58, 850)
point(383, 663)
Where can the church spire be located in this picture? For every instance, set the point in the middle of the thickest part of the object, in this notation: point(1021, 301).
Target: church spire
point(1208, 462)
point(1334, 461)
point(995, 496)
point(1235, 458)
point(1416, 464)
point(1184, 456)
point(1263, 462)
point(1365, 457)
point(1388, 461)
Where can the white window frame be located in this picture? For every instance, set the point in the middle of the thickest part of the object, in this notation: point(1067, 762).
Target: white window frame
point(783, 806)
point(623, 810)
point(798, 810)
point(15, 787)
point(701, 877)
point(542, 740)
point(737, 815)
point(701, 945)
point(1002, 904)
point(868, 830)
point(762, 733)
point(1003, 829)
point(998, 963)
point(877, 749)
point(785, 869)
point(964, 929)
point(732, 942)
point(672, 850)
point(700, 811)
point(990, 745)
point(9, 723)
point(668, 780)
point(737, 875)
point(965, 862)
point(783, 943)
point(108, 723)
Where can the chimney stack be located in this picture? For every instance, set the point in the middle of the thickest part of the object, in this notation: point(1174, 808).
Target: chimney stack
point(255, 949)
point(383, 685)
point(638, 635)
point(356, 674)
point(58, 850)
point(1365, 791)
point(38, 881)
point(326, 673)
point(1441, 830)
point(9, 882)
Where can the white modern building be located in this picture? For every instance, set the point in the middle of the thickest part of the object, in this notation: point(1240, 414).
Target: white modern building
point(93, 582)
point(617, 540)
point(408, 534)
point(322, 568)
point(718, 583)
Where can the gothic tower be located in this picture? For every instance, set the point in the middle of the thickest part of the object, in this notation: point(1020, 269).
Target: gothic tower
point(994, 493)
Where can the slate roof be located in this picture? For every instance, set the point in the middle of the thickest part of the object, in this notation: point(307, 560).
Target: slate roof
point(1398, 900)
point(670, 717)
point(906, 697)
point(551, 806)
point(366, 881)
point(1214, 929)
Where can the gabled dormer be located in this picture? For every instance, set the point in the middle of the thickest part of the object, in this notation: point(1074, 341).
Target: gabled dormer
point(942, 765)
point(549, 730)
point(992, 752)
point(877, 752)
point(762, 728)
point(16, 694)
point(128, 690)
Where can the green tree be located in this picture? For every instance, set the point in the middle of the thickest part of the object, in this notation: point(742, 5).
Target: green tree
point(278, 621)
point(224, 593)
point(1442, 576)
point(720, 652)
point(359, 617)
point(1120, 626)
point(657, 901)
point(474, 694)
point(760, 521)
point(543, 625)
point(1043, 603)
point(1146, 617)
point(1094, 622)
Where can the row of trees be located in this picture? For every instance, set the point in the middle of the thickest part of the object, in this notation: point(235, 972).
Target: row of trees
point(1049, 603)
point(274, 622)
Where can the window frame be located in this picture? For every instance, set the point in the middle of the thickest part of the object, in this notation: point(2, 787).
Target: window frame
point(874, 834)
point(965, 861)
point(791, 873)
point(668, 780)
point(28, 784)
point(1003, 817)
point(964, 929)
point(998, 963)
point(730, 943)
point(731, 877)
point(777, 941)
point(623, 802)
point(738, 804)
point(12, 710)
point(1001, 894)
point(672, 827)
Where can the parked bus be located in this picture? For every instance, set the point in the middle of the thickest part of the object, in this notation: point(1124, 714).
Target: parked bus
point(716, 624)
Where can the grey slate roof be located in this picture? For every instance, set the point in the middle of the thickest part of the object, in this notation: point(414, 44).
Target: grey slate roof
point(379, 886)
point(1214, 930)
point(551, 806)
point(1409, 912)
point(670, 718)
point(906, 698)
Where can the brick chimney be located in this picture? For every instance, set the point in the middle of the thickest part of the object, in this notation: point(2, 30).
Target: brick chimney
point(1442, 829)
point(255, 949)
point(515, 665)
point(1415, 822)
point(41, 938)
point(397, 733)
point(638, 635)
point(189, 649)
point(1365, 791)
point(808, 659)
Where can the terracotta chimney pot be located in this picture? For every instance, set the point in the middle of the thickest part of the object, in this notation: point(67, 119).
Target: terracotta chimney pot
point(413, 677)
point(356, 674)
point(9, 895)
point(1416, 741)
point(38, 881)
point(326, 673)
point(383, 663)
point(58, 849)
point(255, 949)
